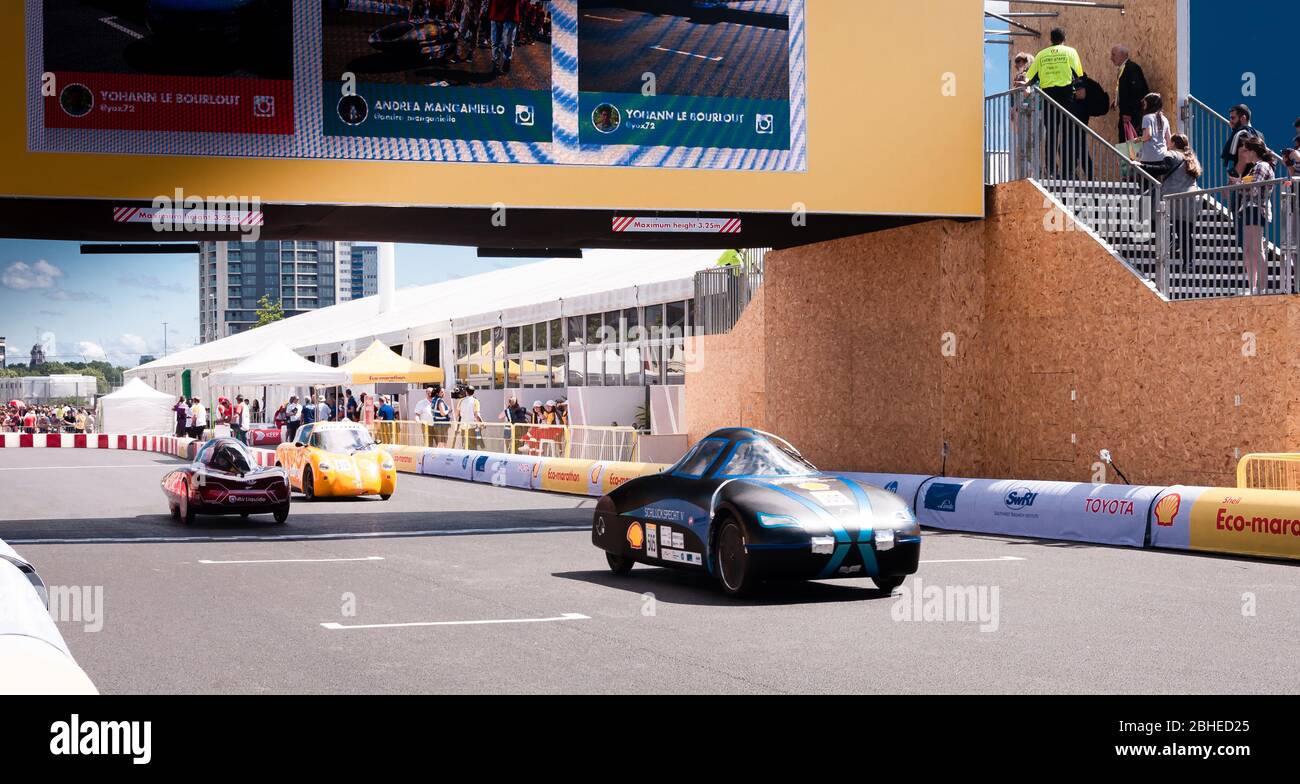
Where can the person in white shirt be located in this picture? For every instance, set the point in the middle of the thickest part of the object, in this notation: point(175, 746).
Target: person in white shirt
point(200, 416)
point(470, 418)
point(424, 415)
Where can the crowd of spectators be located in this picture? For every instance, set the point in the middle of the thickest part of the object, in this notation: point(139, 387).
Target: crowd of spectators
point(57, 418)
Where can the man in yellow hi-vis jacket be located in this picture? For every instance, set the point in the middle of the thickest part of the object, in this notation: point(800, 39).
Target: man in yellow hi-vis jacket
point(1056, 69)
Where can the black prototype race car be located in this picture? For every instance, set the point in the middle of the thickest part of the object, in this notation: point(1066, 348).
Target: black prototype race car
point(225, 479)
point(746, 506)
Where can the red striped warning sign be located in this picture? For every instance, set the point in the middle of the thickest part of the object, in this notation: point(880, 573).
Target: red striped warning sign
point(677, 225)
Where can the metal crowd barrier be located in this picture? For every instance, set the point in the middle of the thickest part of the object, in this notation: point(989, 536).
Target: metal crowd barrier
point(582, 442)
point(1214, 236)
point(1269, 471)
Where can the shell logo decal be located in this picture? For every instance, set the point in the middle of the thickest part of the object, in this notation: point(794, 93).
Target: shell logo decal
point(635, 536)
point(595, 473)
point(1167, 509)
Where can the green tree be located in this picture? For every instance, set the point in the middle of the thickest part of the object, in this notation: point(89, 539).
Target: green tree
point(268, 312)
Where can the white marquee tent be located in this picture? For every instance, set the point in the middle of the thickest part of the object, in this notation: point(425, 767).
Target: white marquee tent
point(277, 364)
point(138, 409)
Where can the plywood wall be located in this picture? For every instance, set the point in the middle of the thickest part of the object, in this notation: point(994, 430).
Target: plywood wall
point(1027, 350)
point(1148, 27)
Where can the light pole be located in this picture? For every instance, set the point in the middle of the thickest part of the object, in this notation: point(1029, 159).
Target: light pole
point(164, 338)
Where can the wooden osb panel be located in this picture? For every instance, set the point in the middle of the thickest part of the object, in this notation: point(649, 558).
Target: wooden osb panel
point(1148, 27)
point(724, 383)
point(1059, 352)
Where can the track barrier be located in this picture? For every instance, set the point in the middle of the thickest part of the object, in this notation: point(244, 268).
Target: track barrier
point(1232, 520)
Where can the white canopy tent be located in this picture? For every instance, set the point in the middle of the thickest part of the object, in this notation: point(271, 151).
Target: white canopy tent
point(278, 365)
point(137, 409)
point(270, 375)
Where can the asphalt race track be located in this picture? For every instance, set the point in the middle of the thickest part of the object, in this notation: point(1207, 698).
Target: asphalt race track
point(500, 593)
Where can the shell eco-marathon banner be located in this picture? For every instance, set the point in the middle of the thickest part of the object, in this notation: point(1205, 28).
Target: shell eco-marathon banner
point(1228, 520)
point(661, 83)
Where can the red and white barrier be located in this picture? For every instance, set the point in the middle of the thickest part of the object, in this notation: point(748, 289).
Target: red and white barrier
point(183, 448)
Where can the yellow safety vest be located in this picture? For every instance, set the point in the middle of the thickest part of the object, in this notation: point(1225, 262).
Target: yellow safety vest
point(1056, 66)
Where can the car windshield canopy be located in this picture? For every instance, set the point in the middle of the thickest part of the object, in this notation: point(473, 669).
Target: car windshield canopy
point(231, 457)
point(761, 457)
point(352, 439)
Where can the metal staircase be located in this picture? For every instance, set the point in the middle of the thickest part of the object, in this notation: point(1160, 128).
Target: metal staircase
point(1125, 207)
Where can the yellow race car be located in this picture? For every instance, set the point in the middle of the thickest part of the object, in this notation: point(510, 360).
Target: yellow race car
point(337, 459)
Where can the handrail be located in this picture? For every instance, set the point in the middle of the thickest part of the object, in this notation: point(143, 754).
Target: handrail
point(1098, 137)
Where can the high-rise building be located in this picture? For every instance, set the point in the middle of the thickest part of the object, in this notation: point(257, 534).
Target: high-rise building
point(300, 275)
point(38, 356)
point(365, 271)
point(2, 354)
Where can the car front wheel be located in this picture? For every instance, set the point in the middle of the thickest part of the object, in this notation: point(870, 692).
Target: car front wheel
point(888, 584)
point(308, 485)
point(282, 514)
point(619, 564)
point(731, 562)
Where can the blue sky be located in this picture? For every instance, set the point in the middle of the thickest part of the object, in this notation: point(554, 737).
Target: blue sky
point(997, 73)
point(114, 306)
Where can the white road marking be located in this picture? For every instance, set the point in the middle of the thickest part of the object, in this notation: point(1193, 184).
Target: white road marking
point(83, 467)
point(688, 54)
point(604, 18)
point(112, 22)
point(977, 560)
point(301, 537)
point(565, 617)
point(295, 560)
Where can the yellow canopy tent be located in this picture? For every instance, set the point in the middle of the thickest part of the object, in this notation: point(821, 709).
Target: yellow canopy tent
point(378, 364)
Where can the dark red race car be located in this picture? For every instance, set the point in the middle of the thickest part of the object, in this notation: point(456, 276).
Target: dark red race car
point(225, 479)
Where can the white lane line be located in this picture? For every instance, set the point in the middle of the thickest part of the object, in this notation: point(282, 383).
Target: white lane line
point(565, 617)
point(83, 467)
point(295, 560)
point(978, 560)
point(688, 54)
point(300, 537)
point(604, 18)
point(112, 22)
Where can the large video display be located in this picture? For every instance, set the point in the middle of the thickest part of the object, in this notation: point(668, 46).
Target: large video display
point(659, 83)
point(779, 106)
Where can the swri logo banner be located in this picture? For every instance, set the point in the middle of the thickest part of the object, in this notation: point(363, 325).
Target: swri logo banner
point(1107, 514)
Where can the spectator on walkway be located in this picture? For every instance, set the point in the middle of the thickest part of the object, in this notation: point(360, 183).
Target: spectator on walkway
point(368, 411)
point(470, 417)
point(562, 410)
point(1056, 69)
point(387, 416)
point(80, 421)
point(1256, 211)
point(1179, 172)
point(1130, 88)
point(182, 411)
point(1155, 130)
point(200, 414)
point(423, 414)
point(323, 412)
point(353, 408)
point(239, 419)
point(293, 417)
point(514, 415)
point(1241, 129)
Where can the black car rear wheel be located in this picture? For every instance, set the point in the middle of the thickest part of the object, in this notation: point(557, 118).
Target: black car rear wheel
point(888, 584)
point(619, 564)
point(731, 562)
point(186, 512)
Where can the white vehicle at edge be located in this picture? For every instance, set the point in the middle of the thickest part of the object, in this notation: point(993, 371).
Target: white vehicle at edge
point(34, 659)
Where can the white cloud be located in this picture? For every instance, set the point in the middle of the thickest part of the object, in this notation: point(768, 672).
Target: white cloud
point(23, 276)
point(91, 351)
point(133, 344)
